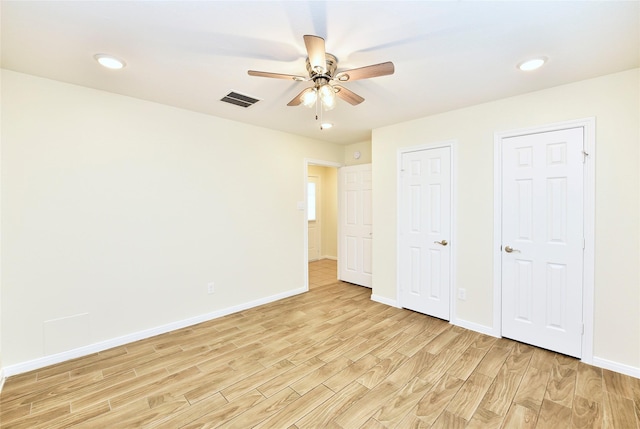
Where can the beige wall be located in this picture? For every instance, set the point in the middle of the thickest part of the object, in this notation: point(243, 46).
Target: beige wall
point(1, 366)
point(117, 212)
point(365, 153)
point(614, 101)
point(328, 177)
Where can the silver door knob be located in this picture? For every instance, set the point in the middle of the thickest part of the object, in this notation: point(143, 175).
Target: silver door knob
point(510, 249)
point(442, 243)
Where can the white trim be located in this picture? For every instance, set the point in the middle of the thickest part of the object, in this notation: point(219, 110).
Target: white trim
point(383, 300)
point(487, 330)
point(305, 224)
point(588, 298)
point(496, 329)
point(589, 127)
point(140, 335)
point(333, 258)
point(2, 379)
point(453, 146)
point(617, 367)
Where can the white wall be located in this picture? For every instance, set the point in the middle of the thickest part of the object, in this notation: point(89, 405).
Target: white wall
point(614, 101)
point(117, 212)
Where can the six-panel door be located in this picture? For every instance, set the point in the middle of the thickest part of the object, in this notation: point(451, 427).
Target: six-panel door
point(543, 239)
point(425, 231)
point(356, 225)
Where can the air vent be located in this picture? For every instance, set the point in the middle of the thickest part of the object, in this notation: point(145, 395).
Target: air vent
point(239, 99)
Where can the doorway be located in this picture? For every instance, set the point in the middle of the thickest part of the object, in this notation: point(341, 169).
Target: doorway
point(314, 216)
point(544, 236)
point(321, 217)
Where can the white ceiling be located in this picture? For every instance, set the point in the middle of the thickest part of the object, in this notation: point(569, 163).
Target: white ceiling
point(447, 54)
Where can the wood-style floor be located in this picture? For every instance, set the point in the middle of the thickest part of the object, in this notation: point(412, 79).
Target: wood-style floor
point(329, 358)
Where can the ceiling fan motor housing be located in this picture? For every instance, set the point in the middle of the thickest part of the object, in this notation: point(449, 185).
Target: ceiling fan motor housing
point(332, 64)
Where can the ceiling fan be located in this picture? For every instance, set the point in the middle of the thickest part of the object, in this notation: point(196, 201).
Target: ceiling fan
point(322, 69)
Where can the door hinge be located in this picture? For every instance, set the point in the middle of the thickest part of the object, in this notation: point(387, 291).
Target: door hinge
point(584, 156)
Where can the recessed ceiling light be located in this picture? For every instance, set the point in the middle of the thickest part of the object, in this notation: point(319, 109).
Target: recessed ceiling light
point(326, 126)
point(532, 64)
point(109, 61)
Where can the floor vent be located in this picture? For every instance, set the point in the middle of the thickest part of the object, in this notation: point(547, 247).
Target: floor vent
point(239, 99)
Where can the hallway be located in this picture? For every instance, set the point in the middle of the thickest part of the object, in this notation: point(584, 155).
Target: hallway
point(322, 272)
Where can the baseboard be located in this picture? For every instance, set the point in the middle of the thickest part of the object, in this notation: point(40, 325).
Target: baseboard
point(140, 335)
point(616, 367)
point(333, 258)
point(383, 300)
point(599, 362)
point(2, 378)
point(475, 327)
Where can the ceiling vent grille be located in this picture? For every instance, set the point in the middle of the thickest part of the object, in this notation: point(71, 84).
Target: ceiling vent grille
point(239, 99)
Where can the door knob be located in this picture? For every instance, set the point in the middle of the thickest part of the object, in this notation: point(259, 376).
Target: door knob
point(442, 243)
point(510, 249)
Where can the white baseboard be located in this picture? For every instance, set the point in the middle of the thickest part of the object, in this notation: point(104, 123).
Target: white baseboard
point(2, 377)
point(599, 362)
point(333, 258)
point(383, 300)
point(475, 327)
point(140, 335)
point(616, 367)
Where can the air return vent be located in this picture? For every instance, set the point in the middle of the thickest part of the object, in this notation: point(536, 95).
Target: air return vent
point(239, 99)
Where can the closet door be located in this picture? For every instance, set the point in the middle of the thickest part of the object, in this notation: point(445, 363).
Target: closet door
point(355, 235)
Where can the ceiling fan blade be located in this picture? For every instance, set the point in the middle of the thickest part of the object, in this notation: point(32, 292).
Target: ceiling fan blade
point(347, 95)
point(297, 100)
point(316, 52)
point(277, 75)
point(366, 72)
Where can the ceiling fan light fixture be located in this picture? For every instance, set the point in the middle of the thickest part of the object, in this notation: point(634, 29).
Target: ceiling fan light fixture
point(109, 61)
point(532, 64)
point(328, 96)
point(309, 98)
point(328, 104)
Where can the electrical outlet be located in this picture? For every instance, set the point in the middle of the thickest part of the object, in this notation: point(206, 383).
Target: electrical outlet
point(462, 294)
point(210, 287)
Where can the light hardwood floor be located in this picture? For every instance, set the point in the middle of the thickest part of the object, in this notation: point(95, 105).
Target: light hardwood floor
point(330, 358)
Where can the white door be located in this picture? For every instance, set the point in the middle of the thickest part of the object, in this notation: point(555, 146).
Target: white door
point(543, 239)
point(425, 231)
point(313, 217)
point(355, 237)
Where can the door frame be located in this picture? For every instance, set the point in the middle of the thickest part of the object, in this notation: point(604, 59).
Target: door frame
point(452, 145)
point(588, 270)
point(302, 206)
